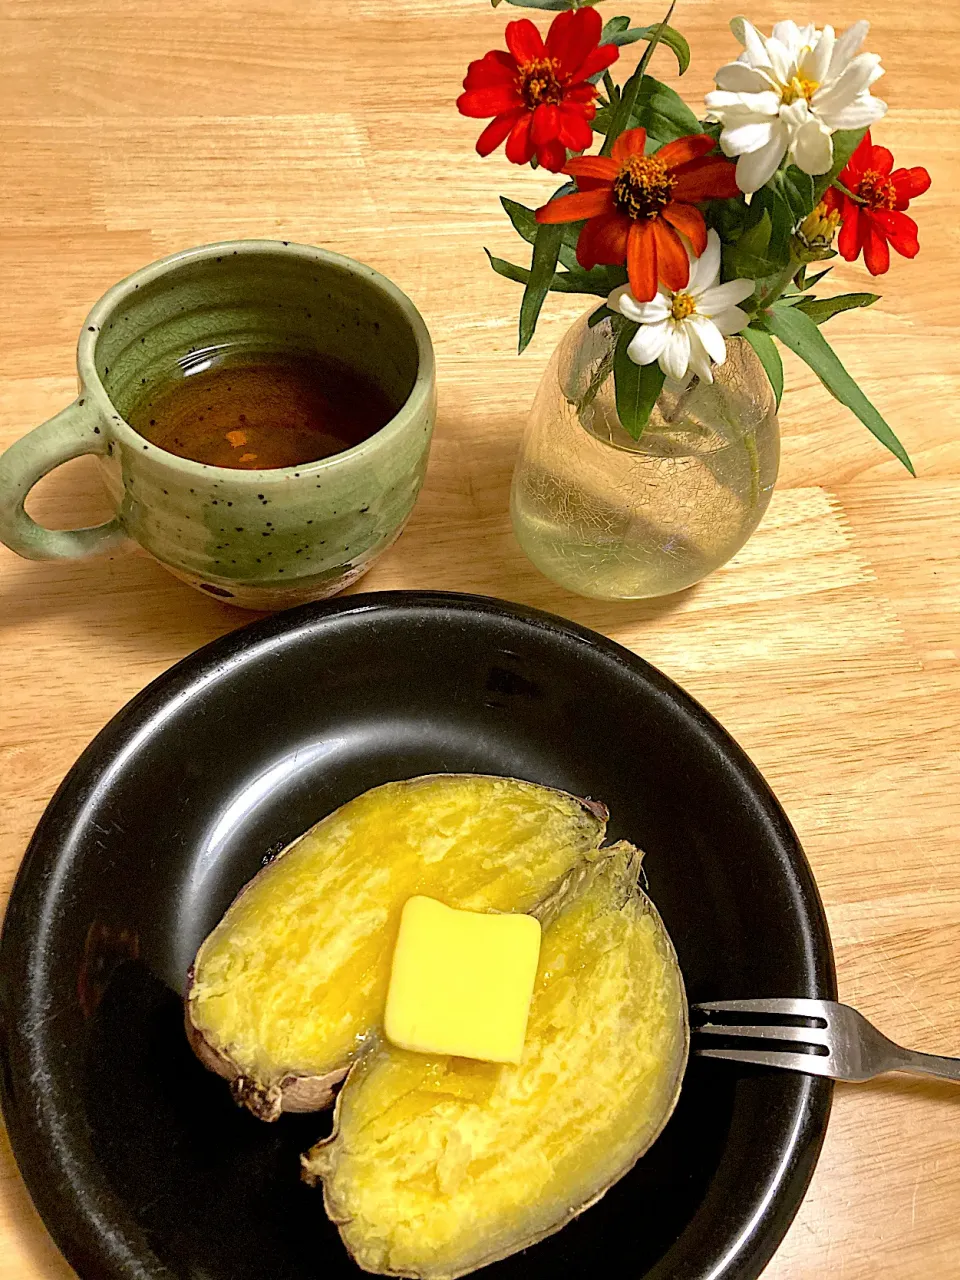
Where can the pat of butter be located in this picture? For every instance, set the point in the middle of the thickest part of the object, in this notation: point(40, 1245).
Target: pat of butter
point(462, 981)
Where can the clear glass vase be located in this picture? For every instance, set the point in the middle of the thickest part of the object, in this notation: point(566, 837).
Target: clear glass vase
point(619, 519)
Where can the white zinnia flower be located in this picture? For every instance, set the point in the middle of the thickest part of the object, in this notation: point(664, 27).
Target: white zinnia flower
point(684, 330)
point(788, 93)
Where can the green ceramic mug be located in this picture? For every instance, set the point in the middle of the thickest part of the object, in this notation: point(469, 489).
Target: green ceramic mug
point(262, 539)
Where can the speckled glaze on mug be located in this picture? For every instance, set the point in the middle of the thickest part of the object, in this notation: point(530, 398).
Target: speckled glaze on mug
point(261, 539)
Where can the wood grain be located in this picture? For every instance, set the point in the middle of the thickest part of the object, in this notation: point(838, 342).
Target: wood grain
point(830, 646)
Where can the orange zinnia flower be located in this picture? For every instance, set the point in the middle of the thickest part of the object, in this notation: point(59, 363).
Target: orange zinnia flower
point(539, 93)
point(636, 204)
point(876, 218)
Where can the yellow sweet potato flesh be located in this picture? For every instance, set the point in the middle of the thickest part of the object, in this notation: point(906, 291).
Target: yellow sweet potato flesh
point(293, 980)
point(438, 1166)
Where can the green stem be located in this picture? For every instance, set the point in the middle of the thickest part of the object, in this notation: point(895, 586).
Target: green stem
point(628, 100)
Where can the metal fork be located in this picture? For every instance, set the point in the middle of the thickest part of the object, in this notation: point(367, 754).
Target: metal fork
point(848, 1046)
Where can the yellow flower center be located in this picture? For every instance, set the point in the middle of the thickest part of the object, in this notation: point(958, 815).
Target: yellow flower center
point(799, 87)
point(683, 305)
point(819, 227)
point(642, 187)
point(876, 190)
point(539, 83)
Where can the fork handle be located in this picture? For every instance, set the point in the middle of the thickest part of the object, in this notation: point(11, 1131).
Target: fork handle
point(923, 1064)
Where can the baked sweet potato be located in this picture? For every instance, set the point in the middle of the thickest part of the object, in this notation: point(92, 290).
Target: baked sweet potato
point(438, 1165)
point(289, 987)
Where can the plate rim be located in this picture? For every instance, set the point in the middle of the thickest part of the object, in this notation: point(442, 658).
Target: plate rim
point(121, 1254)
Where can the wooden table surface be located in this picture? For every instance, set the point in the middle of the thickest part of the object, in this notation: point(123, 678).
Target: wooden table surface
point(830, 647)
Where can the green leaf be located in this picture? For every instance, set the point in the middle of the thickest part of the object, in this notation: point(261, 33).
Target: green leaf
point(787, 198)
point(845, 143)
point(671, 37)
point(822, 309)
point(613, 27)
point(525, 224)
point(600, 281)
point(660, 110)
point(546, 252)
point(747, 258)
point(798, 332)
point(728, 218)
point(637, 386)
point(766, 349)
point(810, 281)
point(601, 314)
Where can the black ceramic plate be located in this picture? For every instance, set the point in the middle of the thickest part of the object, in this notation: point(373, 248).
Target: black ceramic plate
point(136, 1157)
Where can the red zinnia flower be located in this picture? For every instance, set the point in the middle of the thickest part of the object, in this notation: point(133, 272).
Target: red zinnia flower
point(636, 204)
point(539, 93)
point(879, 220)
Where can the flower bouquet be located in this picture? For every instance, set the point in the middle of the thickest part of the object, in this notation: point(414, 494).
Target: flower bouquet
point(694, 230)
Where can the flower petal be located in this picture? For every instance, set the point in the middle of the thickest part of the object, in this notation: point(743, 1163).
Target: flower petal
point(673, 265)
point(709, 178)
point(710, 336)
point(788, 33)
point(683, 150)
point(572, 35)
point(598, 59)
point(859, 114)
point(705, 269)
point(582, 204)
point(812, 148)
point(731, 321)
point(754, 45)
point(492, 101)
point(857, 77)
point(675, 357)
point(850, 239)
point(899, 229)
point(546, 123)
point(688, 219)
point(758, 167)
point(524, 40)
point(648, 342)
point(651, 312)
point(574, 130)
point(759, 104)
point(642, 260)
point(814, 63)
point(497, 130)
point(552, 155)
point(699, 361)
point(909, 183)
point(881, 159)
point(630, 143)
point(738, 77)
point(604, 168)
point(721, 297)
point(876, 252)
point(744, 138)
point(603, 240)
point(846, 46)
point(520, 147)
point(495, 67)
point(782, 59)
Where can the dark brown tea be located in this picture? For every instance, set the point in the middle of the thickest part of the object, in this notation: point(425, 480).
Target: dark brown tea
point(261, 410)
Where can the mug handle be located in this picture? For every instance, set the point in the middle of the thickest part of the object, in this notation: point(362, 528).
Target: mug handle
point(69, 434)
